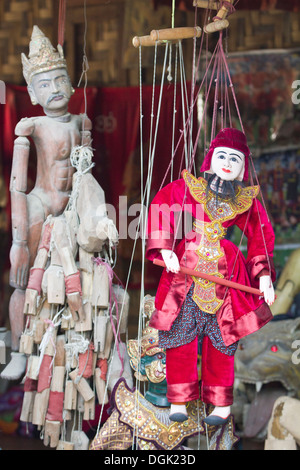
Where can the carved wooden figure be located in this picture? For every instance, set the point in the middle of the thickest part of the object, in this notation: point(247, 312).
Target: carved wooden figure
point(84, 312)
point(54, 135)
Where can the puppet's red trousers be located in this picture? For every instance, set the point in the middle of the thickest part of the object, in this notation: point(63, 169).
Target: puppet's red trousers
point(217, 374)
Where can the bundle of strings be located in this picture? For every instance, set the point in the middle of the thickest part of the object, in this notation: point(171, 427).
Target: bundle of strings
point(48, 337)
point(78, 345)
point(81, 159)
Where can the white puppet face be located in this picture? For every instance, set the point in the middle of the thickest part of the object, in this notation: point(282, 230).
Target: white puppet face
point(228, 164)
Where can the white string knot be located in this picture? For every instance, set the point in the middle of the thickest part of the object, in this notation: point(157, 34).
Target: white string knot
point(48, 337)
point(77, 345)
point(81, 159)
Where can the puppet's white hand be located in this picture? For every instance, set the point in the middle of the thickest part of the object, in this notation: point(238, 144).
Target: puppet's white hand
point(266, 286)
point(171, 260)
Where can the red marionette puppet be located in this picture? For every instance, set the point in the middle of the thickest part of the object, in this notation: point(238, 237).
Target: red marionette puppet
point(189, 308)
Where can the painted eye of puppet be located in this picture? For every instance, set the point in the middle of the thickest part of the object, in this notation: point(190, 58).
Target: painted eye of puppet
point(274, 348)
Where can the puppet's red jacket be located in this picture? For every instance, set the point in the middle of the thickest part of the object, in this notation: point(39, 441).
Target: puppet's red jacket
point(204, 248)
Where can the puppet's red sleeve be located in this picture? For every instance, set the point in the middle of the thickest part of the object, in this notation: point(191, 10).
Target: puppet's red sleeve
point(260, 246)
point(164, 211)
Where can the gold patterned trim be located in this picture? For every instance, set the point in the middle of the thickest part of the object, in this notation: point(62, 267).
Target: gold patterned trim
point(206, 299)
point(151, 422)
point(213, 230)
point(226, 208)
point(116, 433)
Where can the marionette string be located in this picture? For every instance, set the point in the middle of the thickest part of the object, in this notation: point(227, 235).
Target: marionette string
point(174, 110)
point(85, 69)
point(188, 122)
point(197, 138)
point(223, 69)
point(146, 190)
point(103, 367)
point(193, 84)
point(195, 98)
point(231, 86)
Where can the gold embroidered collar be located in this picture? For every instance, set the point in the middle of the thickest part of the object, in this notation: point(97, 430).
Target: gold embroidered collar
point(226, 208)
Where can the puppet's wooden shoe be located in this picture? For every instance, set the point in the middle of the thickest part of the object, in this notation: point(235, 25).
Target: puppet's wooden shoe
point(179, 417)
point(214, 420)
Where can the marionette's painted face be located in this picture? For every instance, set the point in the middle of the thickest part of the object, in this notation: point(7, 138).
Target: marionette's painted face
point(51, 89)
point(228, 164)
point(154, 367)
